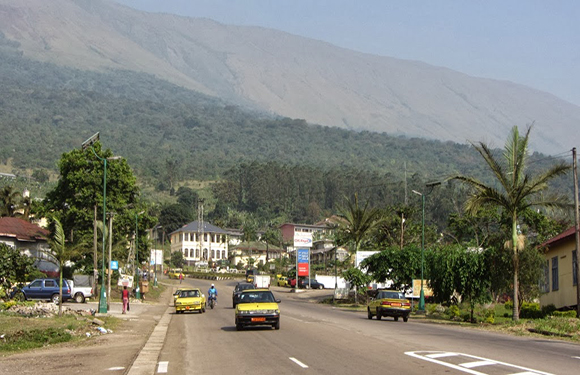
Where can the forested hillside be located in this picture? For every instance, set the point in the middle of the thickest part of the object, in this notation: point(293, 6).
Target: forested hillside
point(170, 135)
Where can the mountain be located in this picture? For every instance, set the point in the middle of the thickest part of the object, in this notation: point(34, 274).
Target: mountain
point(287, 75)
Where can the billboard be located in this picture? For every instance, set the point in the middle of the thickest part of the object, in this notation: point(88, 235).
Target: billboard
point(428, 292)
point(302, 239)
point(362, 255)
point(303, 260)
point(156, 257)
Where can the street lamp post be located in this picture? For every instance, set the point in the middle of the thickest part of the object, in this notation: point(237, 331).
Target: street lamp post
point(422, 295)
point(138, 289)
point(86, 144)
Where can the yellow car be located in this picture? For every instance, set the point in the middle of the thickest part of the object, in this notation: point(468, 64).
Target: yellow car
point(282, 281)
point(177, 293)
point(190, 299)
point(257, 307)
point(389, 303)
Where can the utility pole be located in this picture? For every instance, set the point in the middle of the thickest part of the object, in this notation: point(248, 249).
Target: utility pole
point(95, 260)
point(111, 214)
point(200, 228)
point(577, 227)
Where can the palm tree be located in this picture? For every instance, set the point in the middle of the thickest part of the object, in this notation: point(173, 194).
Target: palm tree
point(8, 201)
point(61, 253)
point(517, 190)
point(359, 224)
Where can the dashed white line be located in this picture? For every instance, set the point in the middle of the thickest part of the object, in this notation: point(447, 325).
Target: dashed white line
point(116, 368)
point(162, 367)
point(298, 362)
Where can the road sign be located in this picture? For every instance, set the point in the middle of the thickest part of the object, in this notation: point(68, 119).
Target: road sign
point(114, 265)
point(303, 260)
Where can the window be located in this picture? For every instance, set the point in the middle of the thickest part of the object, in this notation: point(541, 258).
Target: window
point(36, 284)
point(49, 284)
point(197, 253)
point(223, 254)
point(545, 284)
point(575, 267)
point(554, 273)
point(218, 254)
point(212, 254)
point(205, 237)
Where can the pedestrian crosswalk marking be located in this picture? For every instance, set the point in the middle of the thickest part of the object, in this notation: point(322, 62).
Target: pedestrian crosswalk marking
point(471, 362)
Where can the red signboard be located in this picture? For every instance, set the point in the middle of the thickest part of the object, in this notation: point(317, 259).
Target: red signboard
point(302, 269)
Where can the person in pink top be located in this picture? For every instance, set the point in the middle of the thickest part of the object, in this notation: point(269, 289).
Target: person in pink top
point(125, 295)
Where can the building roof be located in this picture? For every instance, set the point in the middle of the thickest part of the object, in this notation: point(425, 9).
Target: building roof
point(21, 229)
point(256, 246)
point(566, 235)
point(194, 227)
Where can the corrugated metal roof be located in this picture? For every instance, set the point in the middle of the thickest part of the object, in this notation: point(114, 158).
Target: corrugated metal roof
point(562, 236)
point(21, 229)
point(194, 225)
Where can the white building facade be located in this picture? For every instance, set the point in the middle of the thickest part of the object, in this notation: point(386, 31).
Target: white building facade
point(200, 244)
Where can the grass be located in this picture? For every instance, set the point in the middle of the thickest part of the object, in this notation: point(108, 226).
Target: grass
point(21, 333)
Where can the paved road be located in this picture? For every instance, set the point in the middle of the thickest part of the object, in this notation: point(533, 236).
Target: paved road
point(320, 339)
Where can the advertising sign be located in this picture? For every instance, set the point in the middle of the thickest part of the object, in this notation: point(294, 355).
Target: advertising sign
point(362, 255)
point(114, 265)
point(302, 239)
point(303, 260)
point(417, 289)
point(156, 257)
point(125, 280)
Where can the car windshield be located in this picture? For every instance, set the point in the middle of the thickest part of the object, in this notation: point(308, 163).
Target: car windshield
point(257, 297)
point(244, 287)
point(392, 295)
point(190, 293)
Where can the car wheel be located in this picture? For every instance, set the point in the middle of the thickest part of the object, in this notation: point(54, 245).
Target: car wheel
point(396, 318)
point(55, 299)
point(277, 325)
point(202, 309)
point(79, 298)
point(405, 318)
point(369, 313)
point(321, 286)
point(379, 316)
point(239, 327)
point(19, 296)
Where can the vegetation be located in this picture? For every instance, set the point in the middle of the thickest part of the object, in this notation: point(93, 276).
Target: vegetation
point(518, 191)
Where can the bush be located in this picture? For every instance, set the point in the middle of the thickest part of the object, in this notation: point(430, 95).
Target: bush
point(36, 274)
point(565, 314)
point(489, 315)
point(548, 309)
point(453, 312)
point(509, 305)
point(531, 310)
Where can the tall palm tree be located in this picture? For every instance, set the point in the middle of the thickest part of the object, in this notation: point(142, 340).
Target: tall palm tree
point(8, 201)
point(516, 192)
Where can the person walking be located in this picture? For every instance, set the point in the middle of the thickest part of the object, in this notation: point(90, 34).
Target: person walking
point(125, 295)
point(180, 277)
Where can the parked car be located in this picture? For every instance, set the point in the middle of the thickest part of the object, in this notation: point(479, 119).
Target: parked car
point(190, 299)
point(46, 290)
point(257, 307)
point(81, 287)
point(282, 281)
point(389, 303)
point(240, 287)
point(303, 283)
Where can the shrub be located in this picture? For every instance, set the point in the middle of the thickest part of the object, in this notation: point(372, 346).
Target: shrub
point(509, 305)
point(565, 314)
point(531, 310)
point(6, 305)
point(453, 312)
point(548, 309)
point(489, 315)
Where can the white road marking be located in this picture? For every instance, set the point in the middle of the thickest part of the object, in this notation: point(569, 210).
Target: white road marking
point(298, 362)
point(575, 357)
point(116, 368)
point(162, 368)
point(465, 366)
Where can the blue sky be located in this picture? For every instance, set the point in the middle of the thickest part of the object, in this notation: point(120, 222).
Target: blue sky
point(532, 42)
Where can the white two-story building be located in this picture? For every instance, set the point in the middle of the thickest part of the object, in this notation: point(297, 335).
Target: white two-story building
point(200, 244)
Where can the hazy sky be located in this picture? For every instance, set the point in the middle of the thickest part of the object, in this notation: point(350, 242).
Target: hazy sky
point(532, 42)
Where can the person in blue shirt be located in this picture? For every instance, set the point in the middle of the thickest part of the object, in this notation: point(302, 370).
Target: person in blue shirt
point(212, 292)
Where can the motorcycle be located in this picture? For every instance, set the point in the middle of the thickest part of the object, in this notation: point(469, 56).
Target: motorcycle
point(212, 300)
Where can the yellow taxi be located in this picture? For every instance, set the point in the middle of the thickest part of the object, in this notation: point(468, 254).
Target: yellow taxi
point(389, 303)
point(190, 299)
point(282, 281)
point(257, 307)
point(177, 293)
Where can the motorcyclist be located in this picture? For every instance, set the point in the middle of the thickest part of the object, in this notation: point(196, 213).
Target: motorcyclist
point(212, 293)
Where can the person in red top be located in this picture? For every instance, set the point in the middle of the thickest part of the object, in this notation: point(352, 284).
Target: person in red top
point(125, 295)
point(180, 277)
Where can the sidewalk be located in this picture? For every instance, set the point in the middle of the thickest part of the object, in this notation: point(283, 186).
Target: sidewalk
point(125, 351)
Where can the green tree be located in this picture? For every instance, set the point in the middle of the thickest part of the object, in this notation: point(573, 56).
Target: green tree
point(9, 200)
point(455, 269)
point(14, 266)
point(517, 191)
point(400, 266)
point(271, 237)
point(357, 279)
point(177, 260)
